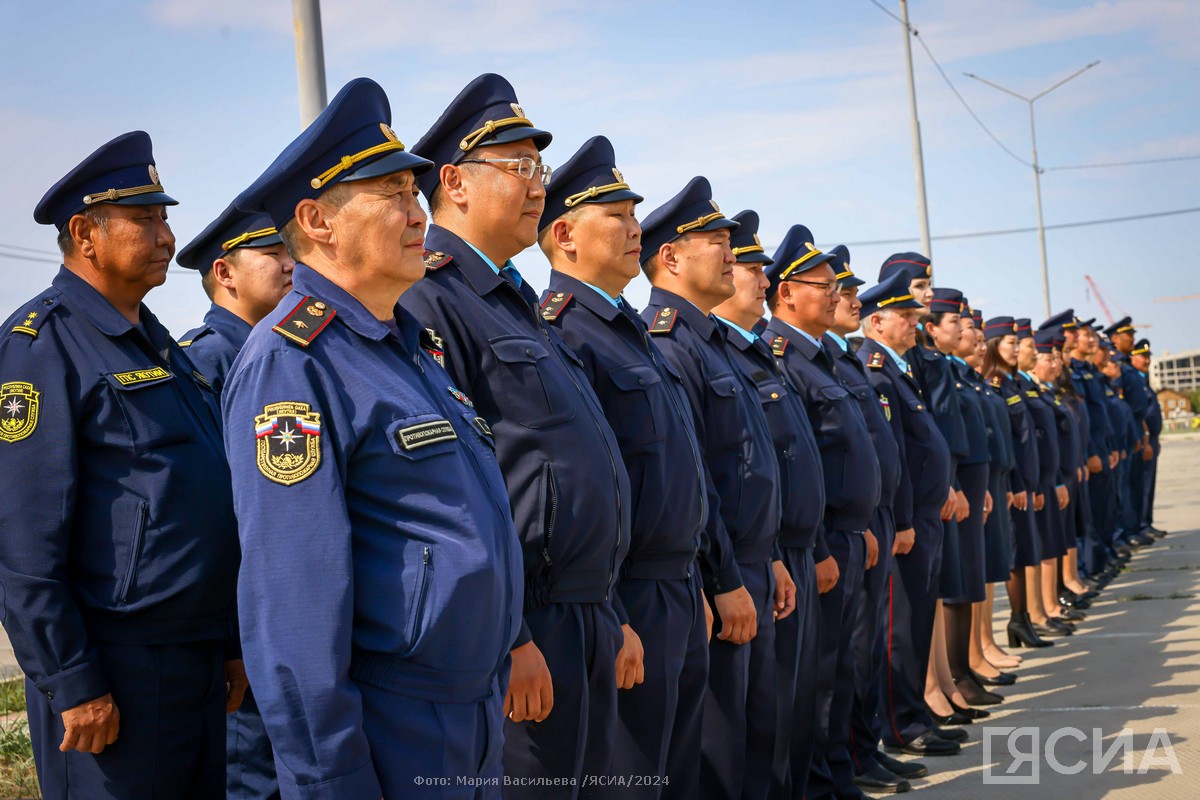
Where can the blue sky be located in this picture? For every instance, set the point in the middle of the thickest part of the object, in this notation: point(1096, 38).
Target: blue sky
point(797, 109)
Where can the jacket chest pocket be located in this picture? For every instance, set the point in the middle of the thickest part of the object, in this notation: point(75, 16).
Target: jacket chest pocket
point(153, 411)
point(636, 404)
point(726, 418)
point(534, 388)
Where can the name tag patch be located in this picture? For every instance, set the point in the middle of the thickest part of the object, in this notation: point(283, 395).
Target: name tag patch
point(425, 433)
point(137, 376)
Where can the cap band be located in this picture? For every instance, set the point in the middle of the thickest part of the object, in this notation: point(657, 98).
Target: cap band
point(117, 194)
point(699, 223)
point(472, 139)
point(595, 191)
point(347, 162)
point(245, 237)
point(814, 252)
point(890, 300)
point(841, 276)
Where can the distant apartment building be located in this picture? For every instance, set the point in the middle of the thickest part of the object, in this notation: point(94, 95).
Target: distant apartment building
point(1177, 371)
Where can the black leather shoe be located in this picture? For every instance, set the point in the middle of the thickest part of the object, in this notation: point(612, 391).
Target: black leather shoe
point(1061, 624)
point(1156, 532)
point(949, 734)
point(902, 769)
point(973, 713)
point(1069, 599)
point(928, 745)
point(1123, 552)
point(1071, 615)
point(1003, 679)
point(1141, 540)
point(1022, 633)
point(880, 780)
point(953, 718)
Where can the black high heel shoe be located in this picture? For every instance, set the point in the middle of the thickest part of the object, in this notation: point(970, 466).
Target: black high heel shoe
point(1003, 679)
point(953, 718)
point(973, 713)
point(1021, 633)
point(975, 694)
point(1061, 624)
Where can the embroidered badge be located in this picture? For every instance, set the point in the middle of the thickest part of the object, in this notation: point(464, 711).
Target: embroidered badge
point(460, 397)
point(876, 361)
point(483, 427)
point(136, 376)
point(887, 405)
point(995, 382)
point(425, 433)
point(1012, 401)
point(288, 438)
point(1031, 393)
point(18, 411)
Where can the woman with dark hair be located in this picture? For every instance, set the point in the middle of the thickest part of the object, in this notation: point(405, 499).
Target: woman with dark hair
point(1072, 591)
point(999, 368)
point(987, 658)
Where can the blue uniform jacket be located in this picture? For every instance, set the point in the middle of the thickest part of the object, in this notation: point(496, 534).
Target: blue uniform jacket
point(1027, 472)
point(560, 458)
point(1133, 390)
point(1128, 431)
point(213, 346)
point(744, 507)
point(1088, 382)
point(971, 403)
point(852, 482)
point(801, 483)
point(927, 475)
point(1154, 419)
point(378, 542)
point(1041, 410)
point(644, 401)
point(933, 374)
point(1000, 443)
point(118, 526)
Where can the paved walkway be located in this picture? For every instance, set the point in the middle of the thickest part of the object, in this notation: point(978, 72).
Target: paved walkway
point(1135, 664)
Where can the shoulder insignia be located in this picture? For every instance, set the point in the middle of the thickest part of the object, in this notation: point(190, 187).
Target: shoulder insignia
point(288, 442)
point(1087, 376)
point(305, 321)
point(185, 343)
point(876, 361)
point(434, 345)
point(35, 316)
point(1013, 400)
point(664, 320)
point(1032, 393)
point(885, 403)
point(436, 260)
point(994, 382)
point(778, 345)
point(554, 303)
point(18, 411)
point(200, 379)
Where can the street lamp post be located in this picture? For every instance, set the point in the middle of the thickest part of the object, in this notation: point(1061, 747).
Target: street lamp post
point(1037, 170)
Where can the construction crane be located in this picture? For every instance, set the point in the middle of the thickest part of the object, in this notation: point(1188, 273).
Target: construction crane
point(1099, 298)
point(1177, 299)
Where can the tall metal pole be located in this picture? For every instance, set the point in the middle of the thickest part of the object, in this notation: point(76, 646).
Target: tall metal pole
point(1037, 169)
point(310, 59)
point(1041, 226)
point(918, 156)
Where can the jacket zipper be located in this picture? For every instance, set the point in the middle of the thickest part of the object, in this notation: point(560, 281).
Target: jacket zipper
point(551, 514)
point(419, 612)
point(135, 552)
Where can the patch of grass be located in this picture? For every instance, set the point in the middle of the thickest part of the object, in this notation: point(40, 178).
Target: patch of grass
point(12, 696)
point(18, 777)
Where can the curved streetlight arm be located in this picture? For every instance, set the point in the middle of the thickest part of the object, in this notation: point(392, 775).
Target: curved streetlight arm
point(1001, 88)
point(1070, 77)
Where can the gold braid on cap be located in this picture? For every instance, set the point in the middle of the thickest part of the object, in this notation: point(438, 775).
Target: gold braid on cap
point(346, 162)
point(812, 253)
point(116, 194)
point(700, 222)
point(237, 241)
point(841, 276)
point(472, 139)
point(891, 300)
point(750, 248)
point(594, 191)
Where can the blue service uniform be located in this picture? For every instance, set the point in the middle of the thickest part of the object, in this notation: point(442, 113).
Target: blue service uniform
point(570, 499)
point(118, 565)
point(802, 495)
point(997, 530)
point(659, 591)
point(1026, 477)
point(1154, 425)
point(852, 492)
point(1133, 390)
point(870, 627)
point(1088, 383)
point(250, 767)
point(912, 590)
point(363, 475)
point(1050, 466)
point(740, 537)
point(972, 474)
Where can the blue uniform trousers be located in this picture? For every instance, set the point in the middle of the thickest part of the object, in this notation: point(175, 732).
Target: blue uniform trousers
point(419, 748)
point(912, 603)
point(658, 721)
point(171, 739)
point(831, 768)
point(796, 660)
point(1132, 493)
point(737, 746)
point(249, 759)
point(1148, 485)
point(580, 642)
point(870, 646)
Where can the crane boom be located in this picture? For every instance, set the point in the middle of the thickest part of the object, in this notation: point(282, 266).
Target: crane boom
point(1099, 298)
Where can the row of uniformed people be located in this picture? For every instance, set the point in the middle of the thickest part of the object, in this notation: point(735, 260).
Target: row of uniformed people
point(463, 512)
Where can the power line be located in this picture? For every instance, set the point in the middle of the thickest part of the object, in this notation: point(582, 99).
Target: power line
point(28, 249)
point(1125, 163)
point(1059, 226)
point(23, 257)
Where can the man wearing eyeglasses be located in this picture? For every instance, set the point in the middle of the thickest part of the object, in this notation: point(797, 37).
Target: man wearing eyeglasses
point(561, 462)
point(803, 297)
point(686, 254)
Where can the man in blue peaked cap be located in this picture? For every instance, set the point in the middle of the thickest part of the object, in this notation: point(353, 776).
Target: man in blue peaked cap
point(380, 584)
point(119, 553)
point(567, 481)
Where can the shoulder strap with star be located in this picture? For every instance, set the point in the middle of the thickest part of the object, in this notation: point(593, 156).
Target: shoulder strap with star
point(435, 259)
point(778, 345)
point(29, 320)
point(664, 320)
point(994, 382)
point(554, 303)
point(876, 361)
point(306, 320)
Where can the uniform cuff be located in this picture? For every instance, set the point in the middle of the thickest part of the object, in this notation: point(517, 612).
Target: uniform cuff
point(524, 636)
point(362, 782)
point(820, 550)
point(725, 581)
point(74, 687)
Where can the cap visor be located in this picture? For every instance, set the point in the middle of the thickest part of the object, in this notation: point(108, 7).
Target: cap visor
point(396, 161)
point(853, 280)
point(755, 258)
point(519, 133)
point(148, 199)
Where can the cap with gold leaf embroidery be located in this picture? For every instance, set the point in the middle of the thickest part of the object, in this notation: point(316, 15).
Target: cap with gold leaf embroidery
point(589, 176)
point(747, 247)
point(691, 211)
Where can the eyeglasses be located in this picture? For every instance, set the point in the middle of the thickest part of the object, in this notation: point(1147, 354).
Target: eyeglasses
point(526, 167)
point(830, 288)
